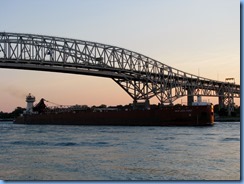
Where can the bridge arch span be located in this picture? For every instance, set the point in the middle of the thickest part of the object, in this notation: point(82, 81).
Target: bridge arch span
point(140, 76)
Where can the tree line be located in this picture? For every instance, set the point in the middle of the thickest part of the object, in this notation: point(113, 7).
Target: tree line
point(12, 115)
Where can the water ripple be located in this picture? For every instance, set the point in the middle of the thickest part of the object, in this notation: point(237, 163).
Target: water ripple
point(231, 139)
point(120, 153)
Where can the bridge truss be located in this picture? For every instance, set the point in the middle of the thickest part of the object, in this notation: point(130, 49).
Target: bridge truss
point(140, 76)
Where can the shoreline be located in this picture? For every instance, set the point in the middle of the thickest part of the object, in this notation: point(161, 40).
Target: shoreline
point(227, 119)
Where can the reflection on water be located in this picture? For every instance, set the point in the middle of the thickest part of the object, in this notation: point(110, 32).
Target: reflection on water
point(34, 152)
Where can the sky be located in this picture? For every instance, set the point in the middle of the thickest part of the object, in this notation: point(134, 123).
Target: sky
point(200, 37)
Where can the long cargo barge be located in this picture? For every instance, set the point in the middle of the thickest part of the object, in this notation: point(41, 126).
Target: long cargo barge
point(198, 115)
point(167, 116)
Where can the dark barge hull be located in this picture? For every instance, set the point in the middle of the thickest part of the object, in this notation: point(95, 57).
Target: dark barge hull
point(168, 116)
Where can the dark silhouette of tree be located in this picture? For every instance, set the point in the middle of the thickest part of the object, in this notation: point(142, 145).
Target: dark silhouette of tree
point(17, 112)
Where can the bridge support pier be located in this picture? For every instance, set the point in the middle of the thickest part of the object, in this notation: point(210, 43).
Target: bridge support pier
point(134, 104)
point(230, 103)
point(190, 97)
point(141, 105)
point(226, 100)
point(221, 100)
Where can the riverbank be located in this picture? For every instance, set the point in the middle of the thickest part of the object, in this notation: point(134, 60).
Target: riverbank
point(8, 119)
point(227, 119)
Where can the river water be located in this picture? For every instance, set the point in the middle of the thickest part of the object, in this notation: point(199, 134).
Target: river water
point(47, 152)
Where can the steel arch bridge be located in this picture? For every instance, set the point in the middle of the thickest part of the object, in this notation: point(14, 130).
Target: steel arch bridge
point(140, 76)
